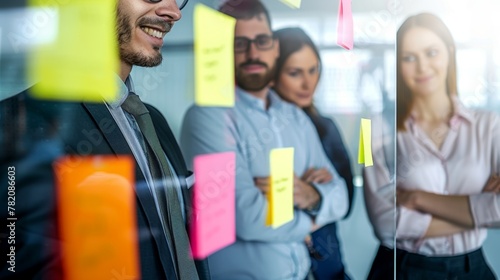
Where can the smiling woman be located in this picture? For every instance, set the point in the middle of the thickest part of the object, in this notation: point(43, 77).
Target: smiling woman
point(447, 160)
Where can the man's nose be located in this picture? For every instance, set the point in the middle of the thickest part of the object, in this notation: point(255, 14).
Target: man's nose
point(168, 10)
point(252, 51)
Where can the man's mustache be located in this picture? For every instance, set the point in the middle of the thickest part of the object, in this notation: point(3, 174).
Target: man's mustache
point(161, 24)
point(252, 63)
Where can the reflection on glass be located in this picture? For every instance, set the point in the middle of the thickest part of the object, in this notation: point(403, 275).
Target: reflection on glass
point(447, 160)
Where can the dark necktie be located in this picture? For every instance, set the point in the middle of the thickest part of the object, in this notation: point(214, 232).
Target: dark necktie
point(161, 169)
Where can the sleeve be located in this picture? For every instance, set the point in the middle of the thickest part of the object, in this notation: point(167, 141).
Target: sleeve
point(213, 130)
point(410, 224)
point(485, 216)
point(379, 190)
point(489, 216)
point(339, 157)
point(334, 198)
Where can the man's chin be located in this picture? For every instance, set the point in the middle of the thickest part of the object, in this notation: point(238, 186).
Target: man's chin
point(142, 60)
point(253, 82)
point(251, 88)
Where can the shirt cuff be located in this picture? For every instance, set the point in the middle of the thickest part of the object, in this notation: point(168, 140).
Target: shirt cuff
point(314, 210)
point(485, 208)
point(412, 224)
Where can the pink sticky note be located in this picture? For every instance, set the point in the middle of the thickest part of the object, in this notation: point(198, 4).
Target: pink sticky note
point(344, 25)
point(213, 220)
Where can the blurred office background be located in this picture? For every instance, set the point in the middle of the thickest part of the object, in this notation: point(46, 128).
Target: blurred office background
point(354, 84)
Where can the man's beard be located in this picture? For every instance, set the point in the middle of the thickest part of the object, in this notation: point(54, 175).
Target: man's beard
point(254, 82)
point(124, 31)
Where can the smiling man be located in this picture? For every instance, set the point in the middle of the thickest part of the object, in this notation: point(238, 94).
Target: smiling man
point(259, 122)
point(125, 126)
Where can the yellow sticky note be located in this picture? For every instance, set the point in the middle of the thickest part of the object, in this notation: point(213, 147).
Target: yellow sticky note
point(280, 195)
point(214, 57)
point(292, 3)
point(81, 63)
point(365, 143)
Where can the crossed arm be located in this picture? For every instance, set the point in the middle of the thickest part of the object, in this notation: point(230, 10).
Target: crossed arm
point(305, 195)
point(450, 213)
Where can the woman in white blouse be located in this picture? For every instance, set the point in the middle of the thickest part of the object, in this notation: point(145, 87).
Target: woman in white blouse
point(447, 161)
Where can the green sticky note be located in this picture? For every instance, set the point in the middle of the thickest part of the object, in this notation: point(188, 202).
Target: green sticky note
point(365, 143)
point(81, 63)
point(280, 195)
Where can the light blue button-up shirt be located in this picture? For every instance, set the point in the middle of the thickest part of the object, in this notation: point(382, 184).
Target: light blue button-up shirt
point(252, 131)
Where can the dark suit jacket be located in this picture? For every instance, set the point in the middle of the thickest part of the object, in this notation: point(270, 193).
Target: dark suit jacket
point(89, 129)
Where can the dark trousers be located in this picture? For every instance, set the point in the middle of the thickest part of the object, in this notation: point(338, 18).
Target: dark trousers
point(327, 264)
point(410, 266)
point(470, 266)
point(382, 265)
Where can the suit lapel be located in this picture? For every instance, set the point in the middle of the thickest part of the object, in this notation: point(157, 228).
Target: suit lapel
point(108, 128)
point(115, 139)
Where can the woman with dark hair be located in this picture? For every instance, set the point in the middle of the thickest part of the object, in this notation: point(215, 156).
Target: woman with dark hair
point(447, 159)
point(297, 75)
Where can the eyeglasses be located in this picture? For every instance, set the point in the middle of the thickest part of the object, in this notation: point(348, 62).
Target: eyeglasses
point(181, 3)
point(262, 42)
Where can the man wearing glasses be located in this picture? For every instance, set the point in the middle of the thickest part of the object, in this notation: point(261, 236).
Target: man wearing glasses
point(259, 122)
point(124, 126)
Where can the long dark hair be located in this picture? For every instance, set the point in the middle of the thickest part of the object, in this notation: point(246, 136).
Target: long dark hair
point(404, 96)
point(293, 39)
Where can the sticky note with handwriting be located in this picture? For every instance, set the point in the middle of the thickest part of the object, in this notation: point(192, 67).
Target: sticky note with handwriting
point(280, 195)
point(81, 63)
point(295, 4)
point(97, 217)
point(365, 143)
point(214, 57)
point(213, 219)
point(345, 36)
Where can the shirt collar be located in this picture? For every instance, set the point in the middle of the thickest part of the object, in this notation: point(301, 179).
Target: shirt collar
point(460, 115)
point(124, 88)
point(257, 103)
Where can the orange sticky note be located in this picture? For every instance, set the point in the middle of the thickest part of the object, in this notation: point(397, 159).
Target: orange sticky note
point(213, 219)
point(345, 34)
point(97, 217)
point(365, 143)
